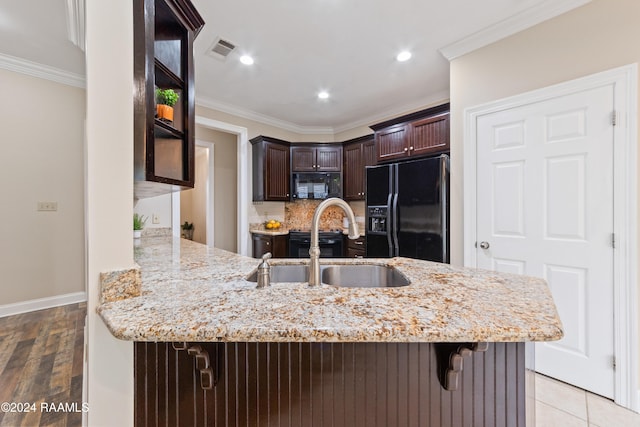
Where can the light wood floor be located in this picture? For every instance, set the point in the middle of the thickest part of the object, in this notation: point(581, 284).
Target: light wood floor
point(41, 362)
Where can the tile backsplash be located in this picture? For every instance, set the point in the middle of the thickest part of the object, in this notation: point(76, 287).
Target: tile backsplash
point(299, 214)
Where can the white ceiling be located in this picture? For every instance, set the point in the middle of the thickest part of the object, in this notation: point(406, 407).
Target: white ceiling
point(346, 47)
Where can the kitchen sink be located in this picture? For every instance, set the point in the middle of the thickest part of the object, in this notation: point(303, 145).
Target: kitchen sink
point(345, 275)
point(285, 273)
point(363, 275)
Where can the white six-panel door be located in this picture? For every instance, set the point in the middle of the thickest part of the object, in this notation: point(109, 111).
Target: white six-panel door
point(545, 208)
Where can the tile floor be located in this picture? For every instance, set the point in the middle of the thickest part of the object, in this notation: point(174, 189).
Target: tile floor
point(559, 404)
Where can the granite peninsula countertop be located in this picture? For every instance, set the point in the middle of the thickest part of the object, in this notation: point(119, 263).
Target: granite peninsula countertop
point(185, 291)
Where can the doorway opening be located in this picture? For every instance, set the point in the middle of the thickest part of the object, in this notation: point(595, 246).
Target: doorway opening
point(197, 206)
point(230, 203)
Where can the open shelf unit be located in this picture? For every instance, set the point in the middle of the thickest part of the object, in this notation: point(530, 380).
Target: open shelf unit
point(164, 31)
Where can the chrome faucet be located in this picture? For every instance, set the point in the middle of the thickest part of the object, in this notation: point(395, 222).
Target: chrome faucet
point(314, 250)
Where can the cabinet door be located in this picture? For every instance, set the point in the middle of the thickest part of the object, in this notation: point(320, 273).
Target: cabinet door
point(392, 143)
point(280, 246)
point(353, 172)
point(261, 245)
point(329, 159)
point(369, 153)
point(276, 171)
point(303, 159)
point(354, 253)
point(429, 136)
point(368, 159)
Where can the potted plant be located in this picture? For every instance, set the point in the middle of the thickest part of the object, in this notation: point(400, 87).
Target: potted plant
point(165, 100)
point(138, 225)
point(187, 230)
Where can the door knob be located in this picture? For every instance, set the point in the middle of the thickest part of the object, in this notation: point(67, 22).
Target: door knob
point(484, 245)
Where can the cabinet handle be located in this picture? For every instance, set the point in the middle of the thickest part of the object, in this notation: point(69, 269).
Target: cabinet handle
point(410, 148)
point(358, 256)
point(268, 243)
point(406, 149)
point(359, 243)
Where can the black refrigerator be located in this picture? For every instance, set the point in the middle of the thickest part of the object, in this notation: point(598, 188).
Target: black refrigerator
point(407, 209)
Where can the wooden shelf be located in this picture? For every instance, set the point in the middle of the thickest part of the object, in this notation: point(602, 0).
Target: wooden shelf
point(165, 78)
point(165, 130)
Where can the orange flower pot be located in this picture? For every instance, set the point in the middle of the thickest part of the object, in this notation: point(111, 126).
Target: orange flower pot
point(165, 112)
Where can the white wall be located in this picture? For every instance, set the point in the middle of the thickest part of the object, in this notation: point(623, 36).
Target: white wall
point(41, 159)
point(109, 201)
point(160, 206)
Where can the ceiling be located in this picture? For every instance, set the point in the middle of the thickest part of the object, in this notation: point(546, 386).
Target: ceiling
point(345, 47)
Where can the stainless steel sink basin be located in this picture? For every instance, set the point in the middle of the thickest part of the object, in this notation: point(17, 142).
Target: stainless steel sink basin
point(364, 275)
point(285, 273)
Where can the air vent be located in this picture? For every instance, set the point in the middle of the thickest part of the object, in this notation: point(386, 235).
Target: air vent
point(221, 48)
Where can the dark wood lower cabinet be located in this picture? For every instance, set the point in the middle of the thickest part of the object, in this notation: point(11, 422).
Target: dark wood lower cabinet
point(277, 245)
point(326, 384)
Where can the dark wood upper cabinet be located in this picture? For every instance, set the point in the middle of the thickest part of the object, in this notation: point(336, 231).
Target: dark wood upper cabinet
point(429, 136)
point(419, 134)
point(270, 169)
point(164, 31)
point(316, 158)
point(357, 153)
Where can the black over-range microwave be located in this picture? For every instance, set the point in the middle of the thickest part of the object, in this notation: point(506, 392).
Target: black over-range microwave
point(316, 185)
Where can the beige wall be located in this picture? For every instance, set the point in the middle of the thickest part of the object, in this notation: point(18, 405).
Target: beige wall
point(593, 38)
point(602, 35)
point(193, 203)
point(41, 157)
point(225, 190)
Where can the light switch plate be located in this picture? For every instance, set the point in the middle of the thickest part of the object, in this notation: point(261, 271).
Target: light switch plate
point(47, 206)
point(155, 219)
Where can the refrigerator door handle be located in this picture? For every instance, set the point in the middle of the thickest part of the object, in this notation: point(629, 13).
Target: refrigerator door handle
point(388, 224)
point(444, 170)
point(396, 251)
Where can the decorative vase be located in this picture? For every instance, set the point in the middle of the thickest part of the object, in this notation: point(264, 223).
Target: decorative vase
point(137, 234)
point(165, 113)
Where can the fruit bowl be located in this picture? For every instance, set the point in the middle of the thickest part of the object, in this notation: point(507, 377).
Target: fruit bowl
point(272, 224)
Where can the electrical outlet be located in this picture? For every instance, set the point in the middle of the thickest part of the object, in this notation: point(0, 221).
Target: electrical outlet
point(155, 218)
point(47, 206)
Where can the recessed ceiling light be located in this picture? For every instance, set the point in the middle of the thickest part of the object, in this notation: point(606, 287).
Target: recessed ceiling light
point(404, 56)
point(323, 95)
point(246, 60)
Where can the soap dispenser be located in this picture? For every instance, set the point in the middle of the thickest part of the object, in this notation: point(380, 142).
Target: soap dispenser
point(264, 271)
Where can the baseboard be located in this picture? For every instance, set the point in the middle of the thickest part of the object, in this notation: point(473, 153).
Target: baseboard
point(41, 303)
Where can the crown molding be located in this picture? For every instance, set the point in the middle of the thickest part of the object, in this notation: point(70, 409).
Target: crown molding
point(76, 22)
point(527, 18)
point(438, 98)
point(399, 110)
point(261, 118)
point(41, 71)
